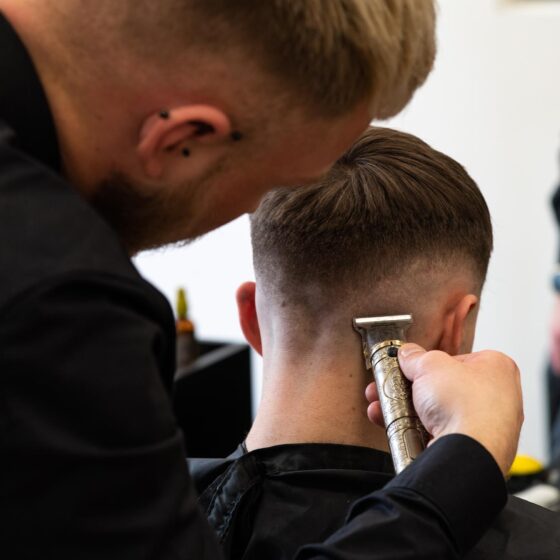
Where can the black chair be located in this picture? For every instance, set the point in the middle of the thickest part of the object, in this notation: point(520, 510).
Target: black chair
point(212, 399)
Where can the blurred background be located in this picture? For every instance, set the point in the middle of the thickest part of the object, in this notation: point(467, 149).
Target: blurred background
point(493, 103)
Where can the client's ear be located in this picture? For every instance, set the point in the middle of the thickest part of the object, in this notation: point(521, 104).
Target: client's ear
point(247, 311)
point(459, 326)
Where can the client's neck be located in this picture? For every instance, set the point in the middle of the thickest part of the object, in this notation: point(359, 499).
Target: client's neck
point(315, 395)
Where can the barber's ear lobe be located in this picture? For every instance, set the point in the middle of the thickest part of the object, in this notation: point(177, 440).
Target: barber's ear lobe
point(178, 131)
point(248, 318)
point(456, 324)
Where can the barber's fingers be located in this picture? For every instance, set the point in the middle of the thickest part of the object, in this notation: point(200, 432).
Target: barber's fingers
point(375, 414)
point(416, 362)
point(374, 409)
point(371, 392)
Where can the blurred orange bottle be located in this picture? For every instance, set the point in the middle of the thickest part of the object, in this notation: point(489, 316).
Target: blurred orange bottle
point(187, 346)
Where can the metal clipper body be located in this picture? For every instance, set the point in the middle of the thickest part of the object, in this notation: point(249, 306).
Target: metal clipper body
point(382, 337)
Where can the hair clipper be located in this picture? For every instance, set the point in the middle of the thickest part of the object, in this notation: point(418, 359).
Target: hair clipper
point(382, 337)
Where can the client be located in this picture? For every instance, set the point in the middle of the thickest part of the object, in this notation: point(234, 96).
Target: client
point(395, 227)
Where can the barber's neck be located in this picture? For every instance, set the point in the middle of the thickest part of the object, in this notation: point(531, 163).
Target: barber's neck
point(314, 396)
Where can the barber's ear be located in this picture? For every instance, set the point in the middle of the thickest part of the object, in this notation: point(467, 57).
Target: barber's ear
point(248, 315)
point(459, 326)
point(178, 132)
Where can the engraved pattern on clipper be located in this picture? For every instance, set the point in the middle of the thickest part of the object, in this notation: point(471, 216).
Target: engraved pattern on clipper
point(381, 338)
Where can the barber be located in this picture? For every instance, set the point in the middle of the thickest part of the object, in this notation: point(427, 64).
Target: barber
point(126, 125)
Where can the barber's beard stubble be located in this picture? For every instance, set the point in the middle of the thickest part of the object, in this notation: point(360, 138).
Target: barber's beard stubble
point(142, 219)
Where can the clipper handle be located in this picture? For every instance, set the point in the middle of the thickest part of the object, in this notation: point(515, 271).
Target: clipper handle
point(406, 434)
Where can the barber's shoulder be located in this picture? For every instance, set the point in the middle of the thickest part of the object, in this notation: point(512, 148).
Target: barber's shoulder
point(49, 231)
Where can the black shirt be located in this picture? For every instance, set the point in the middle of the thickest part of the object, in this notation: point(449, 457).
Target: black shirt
point(92, 463)
point(269, 502)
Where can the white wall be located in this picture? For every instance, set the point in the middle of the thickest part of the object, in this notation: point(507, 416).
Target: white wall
point(211, 269)
point(493, 103)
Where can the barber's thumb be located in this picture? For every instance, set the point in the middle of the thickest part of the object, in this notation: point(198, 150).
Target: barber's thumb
point(409, 359)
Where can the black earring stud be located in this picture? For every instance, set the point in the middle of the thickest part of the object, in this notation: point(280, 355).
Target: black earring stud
point(164, 114)
point(236, 136)
point(185, 152)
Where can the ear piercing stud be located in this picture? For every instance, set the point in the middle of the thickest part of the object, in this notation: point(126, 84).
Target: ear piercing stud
point(201, 129)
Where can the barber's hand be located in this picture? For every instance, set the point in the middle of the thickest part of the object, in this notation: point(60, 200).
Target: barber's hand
point(555, 337)
point(478, 395)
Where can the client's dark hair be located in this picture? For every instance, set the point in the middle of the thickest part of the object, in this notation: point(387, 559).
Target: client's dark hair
point(389, 201)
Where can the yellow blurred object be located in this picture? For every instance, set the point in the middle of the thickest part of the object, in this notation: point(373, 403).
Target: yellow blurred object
point(181, 304)
point(523, 465)
point(187, 346)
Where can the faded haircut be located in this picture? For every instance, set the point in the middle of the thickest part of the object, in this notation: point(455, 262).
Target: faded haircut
point(329, 54)
point(390, 201)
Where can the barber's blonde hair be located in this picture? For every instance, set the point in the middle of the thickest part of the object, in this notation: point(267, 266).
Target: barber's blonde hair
point(329, 55)
point(335, 53)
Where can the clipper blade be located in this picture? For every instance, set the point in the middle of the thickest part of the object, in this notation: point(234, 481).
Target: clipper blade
point(374, 330)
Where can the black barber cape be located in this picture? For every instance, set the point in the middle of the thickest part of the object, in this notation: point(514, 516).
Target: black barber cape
point(265, 504)
point(91, 460)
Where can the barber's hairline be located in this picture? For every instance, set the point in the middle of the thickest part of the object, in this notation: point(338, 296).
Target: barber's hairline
point(313, 104)
point(278, 97)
